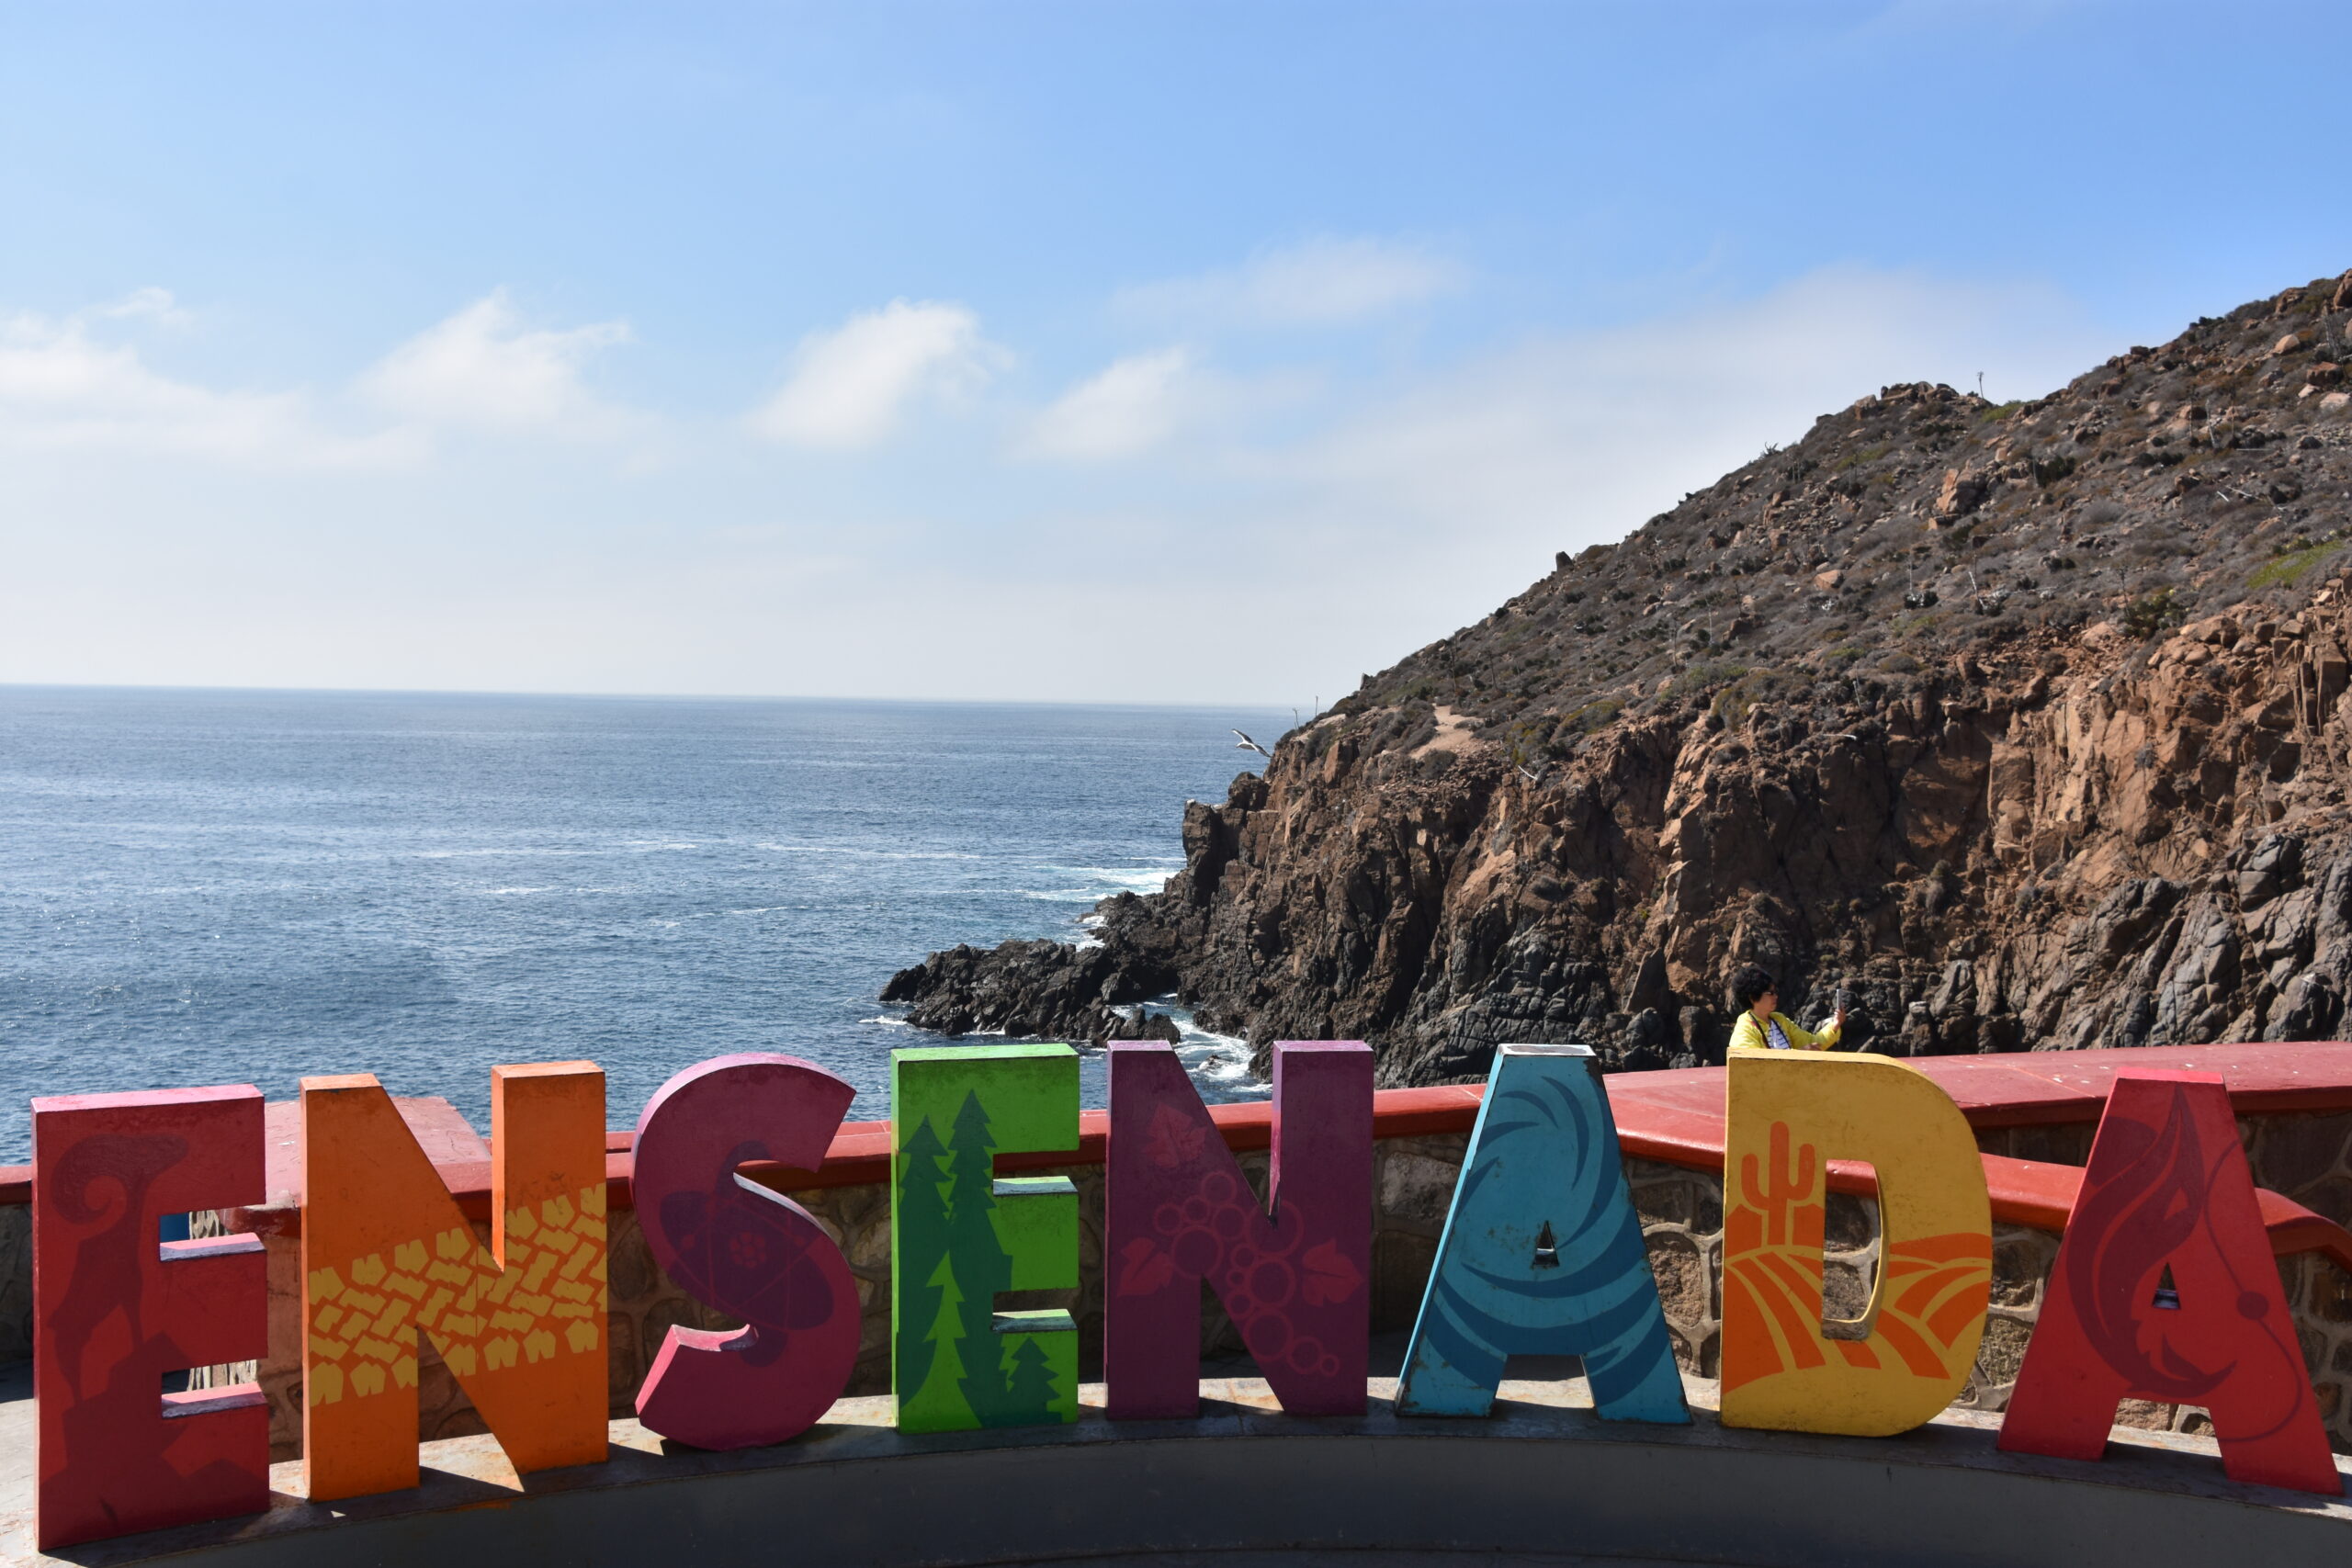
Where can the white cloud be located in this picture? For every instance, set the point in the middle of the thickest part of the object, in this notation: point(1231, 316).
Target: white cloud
point(1319, 282)
point(1131, 407)
point(61, 388)
point(481, 369)
point(1282, 537)
point(851, 386)
point(150, 303)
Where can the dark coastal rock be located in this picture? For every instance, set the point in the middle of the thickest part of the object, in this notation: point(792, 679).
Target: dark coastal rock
point(1142, 1025)
point(1033, 990)
point(1777, 723)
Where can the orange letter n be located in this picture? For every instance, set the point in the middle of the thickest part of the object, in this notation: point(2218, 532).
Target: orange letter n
point(386, 1251)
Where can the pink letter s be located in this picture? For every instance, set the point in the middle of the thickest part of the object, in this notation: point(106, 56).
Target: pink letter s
point(735, 1246)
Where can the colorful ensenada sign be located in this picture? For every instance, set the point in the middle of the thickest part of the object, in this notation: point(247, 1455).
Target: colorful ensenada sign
point(2163, 1289)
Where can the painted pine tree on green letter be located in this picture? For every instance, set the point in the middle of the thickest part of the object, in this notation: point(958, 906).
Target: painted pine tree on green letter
point(1033, 1389)
point(938, 1403)
point(920, 1218)
point(983, 1268)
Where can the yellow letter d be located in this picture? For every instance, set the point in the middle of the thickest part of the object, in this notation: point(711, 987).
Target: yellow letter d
point(1788, 1114)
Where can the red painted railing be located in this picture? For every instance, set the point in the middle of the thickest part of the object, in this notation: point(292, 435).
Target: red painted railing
point(1674, 1116)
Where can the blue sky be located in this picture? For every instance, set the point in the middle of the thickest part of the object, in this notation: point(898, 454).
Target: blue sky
point(1103, 352)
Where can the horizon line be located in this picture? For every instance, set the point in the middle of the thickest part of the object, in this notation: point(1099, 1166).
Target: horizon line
point(1203, 705)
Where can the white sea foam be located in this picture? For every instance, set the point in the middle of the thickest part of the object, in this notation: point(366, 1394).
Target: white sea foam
point(1147, 879)
point(1221, 1061)
point(722, 914)
point(866, 853)
point(1099, 882)
point(552, 852)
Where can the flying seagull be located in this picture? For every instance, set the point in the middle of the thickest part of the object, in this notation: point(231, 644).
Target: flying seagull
point(1532, 775)
point(1246, 744)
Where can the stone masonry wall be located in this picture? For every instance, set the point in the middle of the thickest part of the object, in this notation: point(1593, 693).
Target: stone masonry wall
point(15, 1283)
point(2309, 1157)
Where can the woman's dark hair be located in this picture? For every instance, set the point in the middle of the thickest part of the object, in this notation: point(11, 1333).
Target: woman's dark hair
point(1750, 983)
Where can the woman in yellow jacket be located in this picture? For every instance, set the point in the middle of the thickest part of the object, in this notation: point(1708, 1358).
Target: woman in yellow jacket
point(1762, 1027)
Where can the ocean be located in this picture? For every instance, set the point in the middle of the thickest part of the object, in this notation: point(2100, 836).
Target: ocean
point(212, 887)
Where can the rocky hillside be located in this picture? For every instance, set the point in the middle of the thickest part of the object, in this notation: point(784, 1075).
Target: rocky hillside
point(2025, 722)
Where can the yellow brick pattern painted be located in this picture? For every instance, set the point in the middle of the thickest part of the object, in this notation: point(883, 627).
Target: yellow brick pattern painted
point(547, 1301)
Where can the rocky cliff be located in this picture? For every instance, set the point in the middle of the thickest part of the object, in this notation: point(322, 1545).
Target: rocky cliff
point(2025, 722)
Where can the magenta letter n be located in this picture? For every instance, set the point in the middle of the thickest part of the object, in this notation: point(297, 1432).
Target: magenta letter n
point(114, 1308)
point(1179, 1211)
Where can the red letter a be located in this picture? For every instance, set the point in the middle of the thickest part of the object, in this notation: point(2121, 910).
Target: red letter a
point(2168, 1187)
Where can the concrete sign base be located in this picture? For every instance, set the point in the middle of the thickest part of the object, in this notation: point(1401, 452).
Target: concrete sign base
point(1542, 1480)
